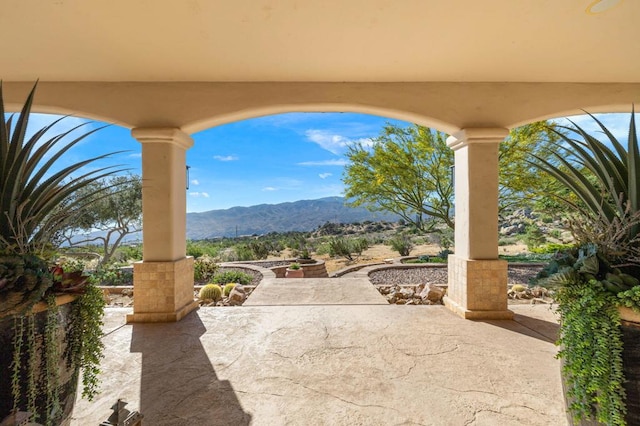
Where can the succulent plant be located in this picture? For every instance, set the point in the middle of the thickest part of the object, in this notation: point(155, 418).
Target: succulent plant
point(210, 292)
point(227, 288)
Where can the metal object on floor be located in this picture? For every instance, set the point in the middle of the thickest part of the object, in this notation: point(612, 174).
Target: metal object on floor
point(123, 417)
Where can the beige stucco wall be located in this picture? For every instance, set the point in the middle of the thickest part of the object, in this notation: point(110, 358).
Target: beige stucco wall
point(446, 106)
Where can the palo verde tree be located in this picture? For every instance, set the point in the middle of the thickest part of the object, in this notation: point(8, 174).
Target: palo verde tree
point(407, 171)
point(111, 216)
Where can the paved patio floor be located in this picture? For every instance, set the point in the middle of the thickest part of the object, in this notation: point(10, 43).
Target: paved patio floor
point(332, 365)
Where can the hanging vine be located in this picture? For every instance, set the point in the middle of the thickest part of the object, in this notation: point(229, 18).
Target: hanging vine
point(52, 358)
point(18, 336)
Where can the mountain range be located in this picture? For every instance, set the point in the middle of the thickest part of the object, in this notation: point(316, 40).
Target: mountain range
point(303, 215)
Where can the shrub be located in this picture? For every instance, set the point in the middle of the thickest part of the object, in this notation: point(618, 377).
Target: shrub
point(227, 288)
point(551, 248)
point(210, 292)
point(347, 248)
point(204, 268)
point(232, 277)
point(111, 275)
point(533, 237)
point(402, 244)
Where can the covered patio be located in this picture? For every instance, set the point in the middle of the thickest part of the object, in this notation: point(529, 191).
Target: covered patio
point(472, 69)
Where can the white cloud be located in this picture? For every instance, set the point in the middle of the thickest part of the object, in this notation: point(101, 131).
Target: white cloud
point(135, 155)
point(195, 182)
point(225, 157)
point(325, 175)
point(269, 188)
point(199, 194)
point(336, 162)
point(334, 143)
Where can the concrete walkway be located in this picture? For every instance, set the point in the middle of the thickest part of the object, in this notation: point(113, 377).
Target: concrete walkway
point(332, 365)
point(320, 291)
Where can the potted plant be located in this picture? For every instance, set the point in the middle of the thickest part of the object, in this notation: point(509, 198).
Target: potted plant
point(597, 282)
point(294, 271)
point(45, 335)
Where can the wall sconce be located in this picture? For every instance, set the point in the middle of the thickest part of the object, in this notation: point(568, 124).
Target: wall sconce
point(188, 167)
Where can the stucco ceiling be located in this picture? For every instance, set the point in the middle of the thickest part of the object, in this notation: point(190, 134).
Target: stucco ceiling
point(319, 40)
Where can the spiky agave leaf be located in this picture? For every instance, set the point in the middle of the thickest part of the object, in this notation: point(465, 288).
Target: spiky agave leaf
point(36, 201)
point(605, 180)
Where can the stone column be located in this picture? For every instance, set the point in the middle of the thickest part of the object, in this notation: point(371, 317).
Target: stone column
point(477, 279)
point(163, 281)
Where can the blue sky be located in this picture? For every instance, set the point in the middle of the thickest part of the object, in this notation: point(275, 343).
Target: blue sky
point(272, 159)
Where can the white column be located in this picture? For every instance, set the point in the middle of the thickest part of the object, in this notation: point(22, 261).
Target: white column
point(477, 279)
point(163, 281)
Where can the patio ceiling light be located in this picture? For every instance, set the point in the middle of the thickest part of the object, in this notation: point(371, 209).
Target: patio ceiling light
point(599, 6)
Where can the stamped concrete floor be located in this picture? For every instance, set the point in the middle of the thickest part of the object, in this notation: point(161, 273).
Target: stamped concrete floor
point(332, 365)
point(320, 291)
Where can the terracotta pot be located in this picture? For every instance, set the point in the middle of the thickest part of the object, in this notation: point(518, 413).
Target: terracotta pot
point(294, 273)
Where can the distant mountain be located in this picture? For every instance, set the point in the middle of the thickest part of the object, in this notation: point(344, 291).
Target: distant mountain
point(304, 215)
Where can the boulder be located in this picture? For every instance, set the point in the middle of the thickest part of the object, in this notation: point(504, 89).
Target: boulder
point(432, 293)
point(237, 296)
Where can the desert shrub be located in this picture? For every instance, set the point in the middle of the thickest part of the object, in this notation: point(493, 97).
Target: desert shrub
point(210, 292)
point(111, 275)
point(243, 252)
point(259, 249)
point(507, 241)
point(128, 253)
point(231, 277)
point(204, 268)
point(348, 248)
point(533, 237)
point(323, 248)
point(551, 248)
point(402, 244)
point(555, 233)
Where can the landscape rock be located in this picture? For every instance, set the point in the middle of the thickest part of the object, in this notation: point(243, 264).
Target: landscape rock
point(432, 293)
point(237, 296)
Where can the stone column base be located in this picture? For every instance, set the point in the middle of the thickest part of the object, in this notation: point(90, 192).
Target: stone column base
point(478, 288)
point(163, 291)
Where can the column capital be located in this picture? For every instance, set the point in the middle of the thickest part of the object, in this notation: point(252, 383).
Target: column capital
point(170, 135)
point(475, 135)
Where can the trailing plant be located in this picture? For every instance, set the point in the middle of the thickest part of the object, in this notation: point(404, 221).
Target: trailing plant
point(86, 347)
point(601, 274)
point(38, 201)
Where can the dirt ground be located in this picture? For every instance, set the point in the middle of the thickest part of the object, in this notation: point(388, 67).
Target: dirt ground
point(380, 252)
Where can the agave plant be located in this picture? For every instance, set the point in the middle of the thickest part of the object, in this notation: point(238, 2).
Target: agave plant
point(605, 178)
point(36, 202)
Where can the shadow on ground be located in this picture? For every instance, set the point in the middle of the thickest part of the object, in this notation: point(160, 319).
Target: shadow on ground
point(174, 372)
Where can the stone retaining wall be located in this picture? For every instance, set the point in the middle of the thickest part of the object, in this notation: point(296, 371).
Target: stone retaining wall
point(311, 270)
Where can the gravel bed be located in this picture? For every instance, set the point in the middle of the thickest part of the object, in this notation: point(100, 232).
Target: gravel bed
point(389, 276)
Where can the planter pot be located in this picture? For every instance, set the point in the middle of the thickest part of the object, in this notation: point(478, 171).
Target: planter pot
point(294, 273)
point(68, 376)
point(631, 363)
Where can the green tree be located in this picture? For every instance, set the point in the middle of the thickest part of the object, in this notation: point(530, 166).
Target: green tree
point(112, 215)
point(520, 183)
point(407, 171)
